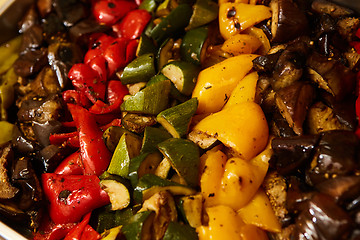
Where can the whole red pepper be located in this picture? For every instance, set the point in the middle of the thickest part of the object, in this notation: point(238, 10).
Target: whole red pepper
point(72, 196)
point(110, 11)
point(133, 24)
point(95, 156)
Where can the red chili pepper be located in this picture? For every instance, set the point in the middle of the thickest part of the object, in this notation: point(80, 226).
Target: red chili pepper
point(110, 11)
point(86, 80)
point(133, 24)
point(90, 234)
point(95, 156)
point(115, 55)
point(71, 165)
point(72, 196)
point(115, 94)
point(76, 232)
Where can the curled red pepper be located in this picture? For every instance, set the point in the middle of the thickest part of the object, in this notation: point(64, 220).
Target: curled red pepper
point(133, 24)
point(95, 156)
point(87, 80)
point(72, 196)
point(76, 97)
point(115, 94)
point(76, 232)
point(72, 165)
point(115, 55)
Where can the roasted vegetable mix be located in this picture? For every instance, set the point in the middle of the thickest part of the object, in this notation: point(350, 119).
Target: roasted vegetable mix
point(181, 120)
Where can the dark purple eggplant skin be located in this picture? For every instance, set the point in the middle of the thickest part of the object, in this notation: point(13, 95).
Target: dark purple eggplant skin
point(339, 188)
point(40, 109)
point(32, 38)
point(340, 79)
point(336, 155)
point(266, 63)
point(332, 9)
point(52, 155)
point(30, 62)
point(70, 11)
point(323, 219)
point(292, 21)
point(293, 153)
point(293, 102)
point(23, 175)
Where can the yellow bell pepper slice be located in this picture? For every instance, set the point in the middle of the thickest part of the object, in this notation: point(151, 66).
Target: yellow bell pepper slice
point(241, 44)
point(7, 130)
point(244, 91)
point(261, 36)
point(236, 17)
point(260, 213)
point(224, 223)
point(251, 232)
point(211, 174)
point(215, 84)
point(240, 182)
point(242, 127)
